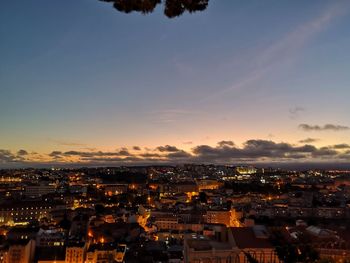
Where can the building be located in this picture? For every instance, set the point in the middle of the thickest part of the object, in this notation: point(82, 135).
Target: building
point(34, 191)
point(101, 253)
point(233, 245)
point(21, 251)
point(253, 242)
point(50, 254)
point(20, 213)
point(218, 248)
point(226, 217)
point(167, 223)
point(179, 187)
point(4, 253)
point(114, 189)
point(50, 238)
point(208, 184)
point(75, 252)
point(243, 170)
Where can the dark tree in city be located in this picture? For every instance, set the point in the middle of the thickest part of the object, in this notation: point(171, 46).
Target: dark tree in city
point(203, 197)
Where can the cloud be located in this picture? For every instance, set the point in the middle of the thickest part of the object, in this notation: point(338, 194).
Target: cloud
point(179, 155)
point(22, 153)
point(136, 148)
point(7, 156)
point(150, 155)
point(345, 156)
point(224, 152)
point(183, 67)
point(324, 152)
point(309, 140)
point(129, 159)
point(168, 116)
point(294, 113)
point(341, 146)
point(123, 152)
point(188, 142)
point(282, 51)
point(257, 150)
point(226, 143)
point(326, 127)
point(167, 148)
point(66, 143)
point(56, 155)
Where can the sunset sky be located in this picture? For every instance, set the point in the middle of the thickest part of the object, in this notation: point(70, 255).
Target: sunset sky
point(241, 82)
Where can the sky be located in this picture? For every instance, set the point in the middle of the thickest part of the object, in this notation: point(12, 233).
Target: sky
point(241, 82)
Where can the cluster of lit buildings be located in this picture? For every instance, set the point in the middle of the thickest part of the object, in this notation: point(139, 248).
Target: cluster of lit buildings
point(181, 214)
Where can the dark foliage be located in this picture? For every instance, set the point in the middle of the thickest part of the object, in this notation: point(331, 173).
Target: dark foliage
point(172, 8)
point(203, 197)
point(100, 209)
point(65, 223)
point(127, 6)
point(175, 8)
point(250, 258)
point(290, 252)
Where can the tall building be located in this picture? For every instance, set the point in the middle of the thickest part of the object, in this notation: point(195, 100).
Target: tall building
point(226, 217)
point(21, 252)
point(75, 253)
point(233, 245)
point(204, 249)
point(101, 253)
point(4, 254)
point(254, 242)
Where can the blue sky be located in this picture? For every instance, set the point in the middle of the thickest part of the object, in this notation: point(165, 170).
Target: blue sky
point(78, 74)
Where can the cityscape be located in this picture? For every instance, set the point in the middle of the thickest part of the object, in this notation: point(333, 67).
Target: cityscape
point(174, 131)
point(185, 213)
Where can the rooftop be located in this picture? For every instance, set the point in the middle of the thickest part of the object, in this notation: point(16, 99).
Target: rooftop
point(246, 237)
point(201, 243)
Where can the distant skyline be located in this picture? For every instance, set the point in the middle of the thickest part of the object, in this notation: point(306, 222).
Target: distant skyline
point(241, 82)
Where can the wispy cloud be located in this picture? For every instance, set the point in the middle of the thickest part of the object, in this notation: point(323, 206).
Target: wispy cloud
point(183, 67)
point(66, 143)
point(326, 127)
point(167, 116)
point(309, 140)
point(168, 148)
point(7, 156)
point(341, 146)
point(226, 143)
point(22, 153)
point(294, 113)
point(283, 50)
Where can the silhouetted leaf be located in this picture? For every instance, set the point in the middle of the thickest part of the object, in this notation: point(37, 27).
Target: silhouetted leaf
point(172, 8)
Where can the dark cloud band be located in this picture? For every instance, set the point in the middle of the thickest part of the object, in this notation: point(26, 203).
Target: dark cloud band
point(326, 127)
point(225, 152)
